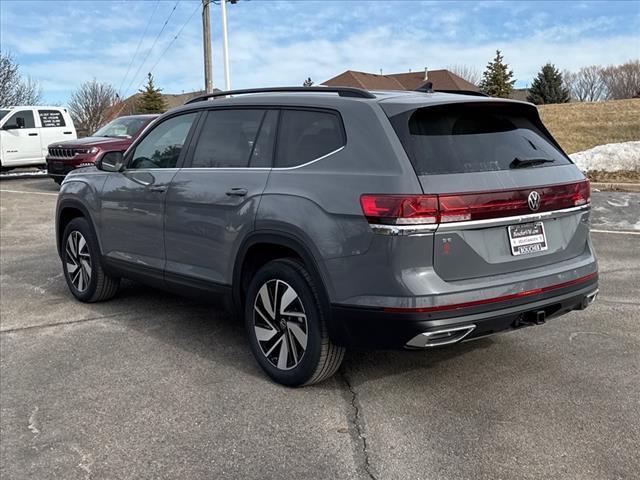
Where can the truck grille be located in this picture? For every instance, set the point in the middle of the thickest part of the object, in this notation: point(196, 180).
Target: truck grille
point(62, 152)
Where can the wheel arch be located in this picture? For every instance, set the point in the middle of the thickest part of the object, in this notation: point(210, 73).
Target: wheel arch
point(270, 245)
point(67, 210)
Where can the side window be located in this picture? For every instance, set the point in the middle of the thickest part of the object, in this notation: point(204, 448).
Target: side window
point(228, 138)
point(162, 146)
point(306, 135)
point(51, 118)
point(25, 115)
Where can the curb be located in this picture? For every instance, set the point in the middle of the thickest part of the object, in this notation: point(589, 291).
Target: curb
point(616, 187)
point(18, 176)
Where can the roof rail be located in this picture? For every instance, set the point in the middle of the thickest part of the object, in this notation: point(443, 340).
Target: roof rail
point(472, 93)
point(341, 91)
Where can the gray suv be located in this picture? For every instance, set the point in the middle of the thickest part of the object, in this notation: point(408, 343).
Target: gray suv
point(337, 217)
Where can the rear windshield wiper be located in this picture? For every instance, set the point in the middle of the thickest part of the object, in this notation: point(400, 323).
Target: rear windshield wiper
point(527, 162)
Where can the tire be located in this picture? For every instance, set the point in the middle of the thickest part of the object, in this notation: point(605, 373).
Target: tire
point(81, 262)
point(308, 360)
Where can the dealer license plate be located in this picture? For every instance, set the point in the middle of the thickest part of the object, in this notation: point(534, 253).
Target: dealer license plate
point(527, 238)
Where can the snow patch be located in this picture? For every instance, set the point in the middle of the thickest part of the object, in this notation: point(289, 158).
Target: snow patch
point(611, 157)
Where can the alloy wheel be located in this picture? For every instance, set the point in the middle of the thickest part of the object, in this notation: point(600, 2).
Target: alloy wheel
point(78, 261)
point(280, 324)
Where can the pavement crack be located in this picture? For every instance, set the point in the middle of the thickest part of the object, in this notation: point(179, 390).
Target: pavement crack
point(358, 434)
point(58, 324)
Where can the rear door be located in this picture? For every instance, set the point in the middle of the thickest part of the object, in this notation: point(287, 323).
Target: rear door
point(509, 198)
point(212, 201)
point(53, 128)
point(21, 139)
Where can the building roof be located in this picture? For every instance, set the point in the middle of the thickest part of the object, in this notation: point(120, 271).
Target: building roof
point(441, 79)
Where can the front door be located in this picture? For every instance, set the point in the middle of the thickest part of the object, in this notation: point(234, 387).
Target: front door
point(21, 140)
point(133, 202)
point(213, 199)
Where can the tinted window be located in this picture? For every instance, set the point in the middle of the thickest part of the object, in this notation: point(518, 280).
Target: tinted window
point(26, 115)
point(51, 118)
point(471, 138)
point(227, 138)
point(307, 135)
point(3, 113)
point(162, 146)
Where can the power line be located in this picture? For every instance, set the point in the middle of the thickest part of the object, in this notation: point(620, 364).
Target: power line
point(138, 47)
point(152, 46)
point(174, 39)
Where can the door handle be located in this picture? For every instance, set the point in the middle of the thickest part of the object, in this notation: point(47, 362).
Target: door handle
point(33, 134)
point(159, 189)
point(237, 192)
point(67, 133)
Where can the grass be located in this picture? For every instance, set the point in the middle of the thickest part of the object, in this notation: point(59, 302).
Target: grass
point(623, 176)
point(582, 125)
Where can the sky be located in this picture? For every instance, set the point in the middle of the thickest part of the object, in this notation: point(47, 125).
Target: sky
point(273, 43)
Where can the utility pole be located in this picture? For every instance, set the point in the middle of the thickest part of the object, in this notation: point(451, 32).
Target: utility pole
point(206, 39)
point(225, 45)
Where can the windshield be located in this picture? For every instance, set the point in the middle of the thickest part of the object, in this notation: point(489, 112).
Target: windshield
point(473, 138)
point(124, 127)
point(3, 113)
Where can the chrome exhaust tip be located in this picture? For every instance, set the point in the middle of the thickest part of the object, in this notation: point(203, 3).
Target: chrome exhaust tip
point(590, 298)
point(437, 338)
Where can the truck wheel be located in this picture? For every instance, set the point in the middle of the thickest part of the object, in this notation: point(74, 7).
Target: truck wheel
point(82, 264)
point(285, 323)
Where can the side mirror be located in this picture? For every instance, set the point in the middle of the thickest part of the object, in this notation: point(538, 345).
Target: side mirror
point(110, 162)
point(20, 122)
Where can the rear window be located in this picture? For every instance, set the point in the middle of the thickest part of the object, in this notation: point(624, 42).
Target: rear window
point(51, 118)
point(227, 139)
point(472, 138)
point(307, 135)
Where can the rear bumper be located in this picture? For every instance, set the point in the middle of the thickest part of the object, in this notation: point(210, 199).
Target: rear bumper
point(380, 328)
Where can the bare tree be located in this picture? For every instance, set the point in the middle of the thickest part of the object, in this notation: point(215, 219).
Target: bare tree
point(90, 104)
point(622, 81)
point(14, 88)
point(586, 84)
point(469, 73)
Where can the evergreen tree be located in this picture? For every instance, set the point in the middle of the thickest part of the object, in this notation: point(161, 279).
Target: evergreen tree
point(548, 87)
point(308, 82)
point(150, 99)
point(497, 79)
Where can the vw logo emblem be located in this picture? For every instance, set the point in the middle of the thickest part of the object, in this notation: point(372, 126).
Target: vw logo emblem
point(534, 201)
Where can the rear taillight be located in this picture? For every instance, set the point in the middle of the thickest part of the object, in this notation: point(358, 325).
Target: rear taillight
point(430, 209)
point(400, 209)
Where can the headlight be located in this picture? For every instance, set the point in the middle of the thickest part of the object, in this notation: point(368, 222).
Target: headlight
point(93, 151)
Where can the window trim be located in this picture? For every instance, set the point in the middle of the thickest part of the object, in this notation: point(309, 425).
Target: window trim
point(153, 124)
point(279, 108)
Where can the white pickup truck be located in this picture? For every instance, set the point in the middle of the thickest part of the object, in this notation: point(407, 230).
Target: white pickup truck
point(26, 132)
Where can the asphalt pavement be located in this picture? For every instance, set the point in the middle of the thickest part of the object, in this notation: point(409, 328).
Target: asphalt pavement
point(150, 385)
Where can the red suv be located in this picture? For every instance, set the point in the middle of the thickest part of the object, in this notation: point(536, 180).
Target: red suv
point(116, 135)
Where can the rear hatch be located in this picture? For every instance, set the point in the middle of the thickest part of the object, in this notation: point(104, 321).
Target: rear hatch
point(508, 197)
